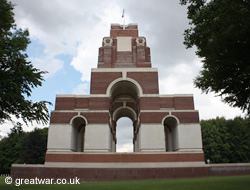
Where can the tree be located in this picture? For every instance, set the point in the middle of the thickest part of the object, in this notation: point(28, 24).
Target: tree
point(10, 148)
point(34, 147)
point(226, 140)
point(22, 147)
point(220, 29)
point(17, 75)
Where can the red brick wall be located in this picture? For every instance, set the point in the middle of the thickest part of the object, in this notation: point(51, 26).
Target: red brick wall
point(152, 117)
point(167, 102)
point(147, 80)
point(179, 103)
point(120, 158)
point(184, 103)
point(92, 117)
point(157, 117)
point(118, 174)
point(61, 117)
point(187, 117)
point(101, 80)
point(120, 32)
point(65, 103)
point(98, 103)
point(150, 103)
point(96, 117)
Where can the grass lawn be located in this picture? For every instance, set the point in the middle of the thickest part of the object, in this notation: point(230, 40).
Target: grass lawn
point(211, 183)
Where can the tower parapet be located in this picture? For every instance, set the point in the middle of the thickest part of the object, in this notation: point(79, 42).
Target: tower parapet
point(124, 48)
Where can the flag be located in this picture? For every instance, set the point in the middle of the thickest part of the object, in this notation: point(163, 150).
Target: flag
point(123, 13)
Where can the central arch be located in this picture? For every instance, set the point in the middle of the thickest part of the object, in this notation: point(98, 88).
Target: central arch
point(124, 102)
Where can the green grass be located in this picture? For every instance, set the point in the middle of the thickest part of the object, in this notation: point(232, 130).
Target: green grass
point(211, 183)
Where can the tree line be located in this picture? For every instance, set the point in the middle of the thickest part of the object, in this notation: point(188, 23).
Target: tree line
point(224, 141)
point(22, 148)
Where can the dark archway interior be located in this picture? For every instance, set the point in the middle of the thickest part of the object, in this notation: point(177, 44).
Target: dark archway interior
point(79, 125)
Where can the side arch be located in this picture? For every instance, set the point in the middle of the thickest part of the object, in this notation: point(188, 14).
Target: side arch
point(170, 116)
point(170, 124)
point(78, 124)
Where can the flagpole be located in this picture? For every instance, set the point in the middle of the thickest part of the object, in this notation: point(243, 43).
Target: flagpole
point(123, 16)
point(124, 23)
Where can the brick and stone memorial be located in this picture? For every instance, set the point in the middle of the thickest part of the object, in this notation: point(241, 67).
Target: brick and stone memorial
point(82, 137)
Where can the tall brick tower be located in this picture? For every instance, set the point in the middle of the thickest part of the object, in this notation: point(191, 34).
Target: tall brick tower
point(124, 85)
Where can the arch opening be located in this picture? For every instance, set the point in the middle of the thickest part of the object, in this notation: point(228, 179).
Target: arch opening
point(78, 127)
point(124, 90)
point(171, 134)
point(124, 135)
point(124, 104)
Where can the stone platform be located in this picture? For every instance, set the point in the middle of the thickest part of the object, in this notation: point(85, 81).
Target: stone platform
point(126, 166)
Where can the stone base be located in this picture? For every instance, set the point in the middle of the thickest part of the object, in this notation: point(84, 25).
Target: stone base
point(119, 174)
point(125, 166)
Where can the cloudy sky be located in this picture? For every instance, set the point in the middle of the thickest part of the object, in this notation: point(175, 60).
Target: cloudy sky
point(66, 35)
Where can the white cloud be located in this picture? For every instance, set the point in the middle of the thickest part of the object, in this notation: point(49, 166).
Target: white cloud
point(5, 128)
point(81, 89)
point(125, 148)
point(47, 63)
point(124, 135)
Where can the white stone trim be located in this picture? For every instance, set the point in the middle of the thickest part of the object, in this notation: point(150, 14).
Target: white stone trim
point(81, 96)
point(142, 43)
point(124, 77)
point(84, 118)
point(170, 110)
point(124, 69)
point(105, 43)
point(175, 95)
point(112, 153)
point(167, 116)
point(81, 111)
point(124, 165)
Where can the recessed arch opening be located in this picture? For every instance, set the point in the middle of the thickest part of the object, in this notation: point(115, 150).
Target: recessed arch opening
point(78, 132)
point(124, 91)
point(125, 120)
point(124, 106)
point(171, 133)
